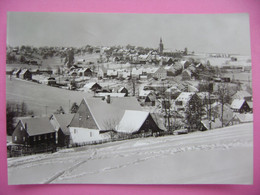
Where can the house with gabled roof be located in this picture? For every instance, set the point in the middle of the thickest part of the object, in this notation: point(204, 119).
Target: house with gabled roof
point(96, 116)
point(183, 100)
point(60, 123)
point(34, 132)
point(17, 72)
point(25, 74)
point(239, 118)
point(186, 74)
point(240, 106)
point(85, 72)
point(242, 95)
point(91, 86)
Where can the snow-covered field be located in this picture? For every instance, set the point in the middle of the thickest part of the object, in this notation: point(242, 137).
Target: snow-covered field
point(217, 156)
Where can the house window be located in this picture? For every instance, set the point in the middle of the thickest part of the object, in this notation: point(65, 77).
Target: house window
point(23, 138)
point(39, 137)
point(147, 122)
point(90, 133)
point(34, 138)
point(80, 117)
point(51, 136)
point(45, 136)
point(15, 138)
point(21, 128)
point(75, 131)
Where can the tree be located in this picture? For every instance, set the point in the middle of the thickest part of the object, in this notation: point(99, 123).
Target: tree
point(60, 110)
point(74, 108)
point(69, 60)
point(194, 112)
point(10, 114)
point(224, 97)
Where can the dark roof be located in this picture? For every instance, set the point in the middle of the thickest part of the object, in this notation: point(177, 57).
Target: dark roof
point(112, 112)
point(64, 120)
point(38, 126)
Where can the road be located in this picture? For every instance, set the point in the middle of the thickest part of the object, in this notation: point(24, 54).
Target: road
point(222, 156)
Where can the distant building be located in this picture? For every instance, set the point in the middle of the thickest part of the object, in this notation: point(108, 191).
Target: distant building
point(240, 106)
point(186, 75)
point(25, 74)
point(241, 118)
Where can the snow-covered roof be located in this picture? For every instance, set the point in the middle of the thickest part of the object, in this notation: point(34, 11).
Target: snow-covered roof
point(132, 121)
point(89, 85)
point(23, 71)
point(244, 117)
point(37, 126)
point(111, 72)
point(237, 104)
point(214, 124)
point(144, 93)
point(106, 113)
point(241, 95)
point(111, 94)
point(185, 96)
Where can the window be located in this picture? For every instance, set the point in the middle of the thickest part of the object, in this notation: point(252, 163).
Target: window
point(75, 131)
point(21, 128)
point(23, 138)
point(39, 137)
point(80, 117)
point(90, 134)
point(51, 135)
point(147, 122)
point(15, 138)
point(34, 138)
point(45, 136)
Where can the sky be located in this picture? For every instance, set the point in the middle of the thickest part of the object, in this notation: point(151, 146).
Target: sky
point(212, 33)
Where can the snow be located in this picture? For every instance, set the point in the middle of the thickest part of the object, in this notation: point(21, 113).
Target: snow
point(220, 156)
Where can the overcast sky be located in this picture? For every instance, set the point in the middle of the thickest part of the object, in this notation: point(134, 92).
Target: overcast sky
point(224, 33)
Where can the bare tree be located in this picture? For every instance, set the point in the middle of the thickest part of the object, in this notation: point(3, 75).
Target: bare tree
point(224, 97)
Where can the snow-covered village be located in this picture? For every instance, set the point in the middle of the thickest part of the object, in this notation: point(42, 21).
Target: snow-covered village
point(128, 114)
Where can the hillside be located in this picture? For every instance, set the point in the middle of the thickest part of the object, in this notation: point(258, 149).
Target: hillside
point(220, 156)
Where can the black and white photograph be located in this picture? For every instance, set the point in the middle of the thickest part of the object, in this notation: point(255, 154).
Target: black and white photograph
point(117, 98)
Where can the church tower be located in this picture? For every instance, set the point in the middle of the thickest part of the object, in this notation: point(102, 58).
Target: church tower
point(160, 46)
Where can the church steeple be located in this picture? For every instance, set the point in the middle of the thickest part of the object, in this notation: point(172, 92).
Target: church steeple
point(161, 46)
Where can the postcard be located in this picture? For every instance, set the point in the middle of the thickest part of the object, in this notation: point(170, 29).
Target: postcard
point(113, 98)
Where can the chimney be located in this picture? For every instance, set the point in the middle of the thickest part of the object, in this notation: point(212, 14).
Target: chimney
point(108, 99)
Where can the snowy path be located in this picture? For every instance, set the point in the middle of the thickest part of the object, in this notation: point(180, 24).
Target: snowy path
point(217, 156)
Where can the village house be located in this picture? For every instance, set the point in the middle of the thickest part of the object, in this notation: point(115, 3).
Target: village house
point(25, 74)
point(123, 90)
point(16, 73)
point(92, 86)
point(150, 100)
point(112, 73)
point(161, 73)
point(85, 72)
point(207, 125)
point(239, 118)
point(34, 132)
point(183, 100)
point(102, 72)
point(97, 116)
point(240, 95)
point(240, 106)
point(186, 75)
point(60, 123)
